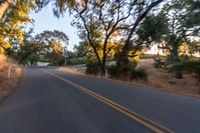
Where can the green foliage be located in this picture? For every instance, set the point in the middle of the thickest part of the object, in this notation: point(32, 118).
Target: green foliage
point(92, 68)
point(133, 72)
point(138, 74)
point(147, 56)
point(188, 66)
point(52, 42)
point(80, 50)
point(33, 59)
point(47, 36)
point(183, 20)
point(76, 61)
point(14, 16)
point(153, 28)
point(112, 70)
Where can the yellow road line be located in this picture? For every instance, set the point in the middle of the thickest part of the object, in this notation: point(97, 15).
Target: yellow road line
point(156, 127)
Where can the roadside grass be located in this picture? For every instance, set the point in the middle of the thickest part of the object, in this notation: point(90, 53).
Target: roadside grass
point(157, 78)
point(7, 85)
point(163, 80)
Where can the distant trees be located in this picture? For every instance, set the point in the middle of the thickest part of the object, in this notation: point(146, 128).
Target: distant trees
point(48, 44)
point(179, 26)
point(183, 24)
point(46, 36)
point(53, 43)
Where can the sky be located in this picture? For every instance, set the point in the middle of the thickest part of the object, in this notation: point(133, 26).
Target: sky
point(45, 20)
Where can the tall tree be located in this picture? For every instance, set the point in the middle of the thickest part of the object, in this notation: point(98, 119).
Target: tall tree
point(100, 24)
point(11, 30)
point(142, 8)
point(175, 25)
point(5, 4)
point(13, 14)
point(54, 41)
point(47, 44)
point(108, 18)
point(184, 16)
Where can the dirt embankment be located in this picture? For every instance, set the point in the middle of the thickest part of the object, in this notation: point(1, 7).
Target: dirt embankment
point(8, 81)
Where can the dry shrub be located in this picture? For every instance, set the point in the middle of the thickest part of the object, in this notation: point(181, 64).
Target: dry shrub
point(7, 84)
point(156, 84)
point(3, 64)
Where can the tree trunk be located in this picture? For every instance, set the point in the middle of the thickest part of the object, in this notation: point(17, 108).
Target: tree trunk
point(103, 66)
point(175, 55)
point(122, 63)
point(3, 7)
point(176, 59)
point(103, 71)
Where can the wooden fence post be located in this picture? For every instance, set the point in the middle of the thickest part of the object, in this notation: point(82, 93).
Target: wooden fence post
point(9, 70)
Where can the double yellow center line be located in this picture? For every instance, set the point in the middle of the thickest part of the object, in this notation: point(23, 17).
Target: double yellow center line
point(156, 127)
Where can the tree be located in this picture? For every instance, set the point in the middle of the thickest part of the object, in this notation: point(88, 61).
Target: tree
point(173, 28)
point(55, 54)
point(80, 50)
point(13, 14)
point(6, 4)
point(183, 19)
point(100, 23)
point(45, 46)
point(153, 29)
point(29, 50)
point(141, 11)
point(100, 20)
point(184, 23)
point(53, 42)
point(56, 35)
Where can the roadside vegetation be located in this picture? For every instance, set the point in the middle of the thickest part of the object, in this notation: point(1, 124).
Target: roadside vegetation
point(114, 37)
point(8, 82)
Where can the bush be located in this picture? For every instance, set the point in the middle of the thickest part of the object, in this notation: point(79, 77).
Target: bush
point(133, 73)
point(159, 63)
point(92, 68)
point(112, 70)
point(188, 66)
point(138, 74)
point(76, 61)
point(147, 56)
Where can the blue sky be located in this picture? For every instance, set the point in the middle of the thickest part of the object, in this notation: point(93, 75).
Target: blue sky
point(45, 20)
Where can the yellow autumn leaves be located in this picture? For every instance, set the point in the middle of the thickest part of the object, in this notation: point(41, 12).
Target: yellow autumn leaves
point(11, 29)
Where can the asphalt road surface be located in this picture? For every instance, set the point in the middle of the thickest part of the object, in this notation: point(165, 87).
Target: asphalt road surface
point(49, 101)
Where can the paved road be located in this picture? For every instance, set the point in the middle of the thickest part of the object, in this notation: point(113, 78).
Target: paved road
point(49, 101)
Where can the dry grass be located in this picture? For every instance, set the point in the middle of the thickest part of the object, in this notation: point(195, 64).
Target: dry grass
point(70, 70)
point(158, 79)
point(7, 84)
point(162, 79)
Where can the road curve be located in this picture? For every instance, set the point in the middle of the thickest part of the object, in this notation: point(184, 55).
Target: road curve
point(49, 101)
